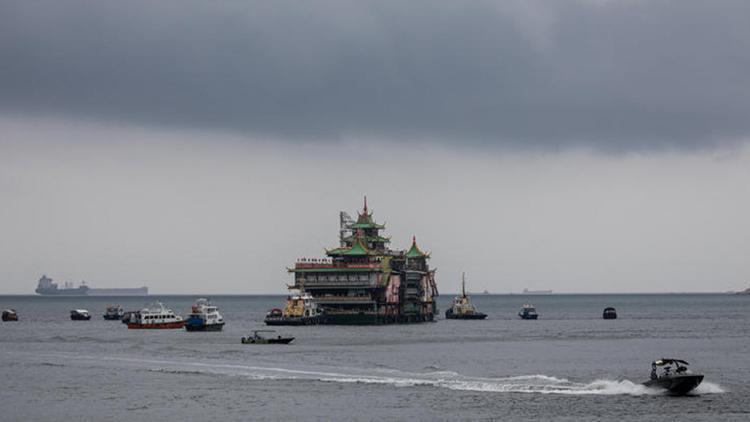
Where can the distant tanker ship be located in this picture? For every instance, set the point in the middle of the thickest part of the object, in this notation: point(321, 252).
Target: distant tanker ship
point(47, 287)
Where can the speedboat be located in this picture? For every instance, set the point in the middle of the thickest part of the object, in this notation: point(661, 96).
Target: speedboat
point(257, 337)
point(80, 315)
point(10, 315)
point(204, 317)
point(300, 309)
point(462, 307)
point(528, 312)
point(114, 313)
point(609, 313)
point(678, 382)
point(156, 316)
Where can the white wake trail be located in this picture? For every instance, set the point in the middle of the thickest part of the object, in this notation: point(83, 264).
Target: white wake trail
point(529, 384)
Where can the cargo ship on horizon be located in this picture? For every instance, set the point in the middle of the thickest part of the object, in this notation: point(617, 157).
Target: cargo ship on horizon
point(47, 287)
point(363, 281)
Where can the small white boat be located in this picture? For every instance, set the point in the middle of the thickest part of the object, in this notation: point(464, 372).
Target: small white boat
point(528, 312)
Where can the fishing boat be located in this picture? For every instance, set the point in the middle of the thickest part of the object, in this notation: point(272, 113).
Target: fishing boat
point(679, 382)
point(10, 315)
point(257, 337)
point(609, 313)
point(156, 316)
point(80, 315)
point(204, 317)
point(462, 307)
point(114, 313)
point(528, 312)
point(300, 309)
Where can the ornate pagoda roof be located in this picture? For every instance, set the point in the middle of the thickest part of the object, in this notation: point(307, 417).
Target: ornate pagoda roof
point(365, 221)
point(357, 249)
point(414, 251)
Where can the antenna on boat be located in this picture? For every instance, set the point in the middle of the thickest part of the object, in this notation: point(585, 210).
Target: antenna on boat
point(463, 284)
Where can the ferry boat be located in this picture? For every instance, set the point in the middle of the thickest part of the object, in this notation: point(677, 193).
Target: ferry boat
point(204, 317)
point(156, 316)
point(10, 315)
point(528, 312)
point(462, 308)
point(80, 315)
point(300, 309)
point(114, 313)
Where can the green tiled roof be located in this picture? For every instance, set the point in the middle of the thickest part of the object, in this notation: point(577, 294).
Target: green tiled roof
point(414, 251)
point(358, 249)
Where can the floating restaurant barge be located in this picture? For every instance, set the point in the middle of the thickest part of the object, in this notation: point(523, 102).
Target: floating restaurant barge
point(363, 281)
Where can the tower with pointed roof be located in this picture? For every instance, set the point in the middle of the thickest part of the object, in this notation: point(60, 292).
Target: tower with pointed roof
point(364, 281)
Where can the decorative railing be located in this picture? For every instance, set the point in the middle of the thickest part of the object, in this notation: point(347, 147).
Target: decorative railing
point(334, 266)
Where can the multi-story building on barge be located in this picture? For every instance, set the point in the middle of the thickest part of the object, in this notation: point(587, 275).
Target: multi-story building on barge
point(364, 281)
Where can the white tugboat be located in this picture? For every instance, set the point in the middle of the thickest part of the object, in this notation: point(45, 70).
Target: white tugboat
point(204, 317)
point(156, 316)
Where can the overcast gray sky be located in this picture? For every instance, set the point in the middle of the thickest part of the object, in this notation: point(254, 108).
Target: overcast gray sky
point(203, 146)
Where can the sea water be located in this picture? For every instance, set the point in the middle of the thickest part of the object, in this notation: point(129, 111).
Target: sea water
point(570, 365)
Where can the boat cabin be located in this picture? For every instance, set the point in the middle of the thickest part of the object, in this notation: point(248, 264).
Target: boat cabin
point(666, 368)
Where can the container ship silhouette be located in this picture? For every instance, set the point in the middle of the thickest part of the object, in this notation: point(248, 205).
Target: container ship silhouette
point(47, 287)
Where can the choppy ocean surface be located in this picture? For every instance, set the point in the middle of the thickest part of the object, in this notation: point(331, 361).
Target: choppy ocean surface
point(570, 365)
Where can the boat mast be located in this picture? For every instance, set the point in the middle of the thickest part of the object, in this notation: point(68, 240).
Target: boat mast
point(463, 284)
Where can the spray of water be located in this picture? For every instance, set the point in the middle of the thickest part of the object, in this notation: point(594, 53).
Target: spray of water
point(529, 384)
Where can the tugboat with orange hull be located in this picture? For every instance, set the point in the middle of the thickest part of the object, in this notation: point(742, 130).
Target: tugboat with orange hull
point(156, 316)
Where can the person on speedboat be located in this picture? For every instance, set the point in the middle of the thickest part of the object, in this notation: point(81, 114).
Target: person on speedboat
point(667, 370)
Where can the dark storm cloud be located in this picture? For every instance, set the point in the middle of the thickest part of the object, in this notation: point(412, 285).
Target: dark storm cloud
point(627, 75)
